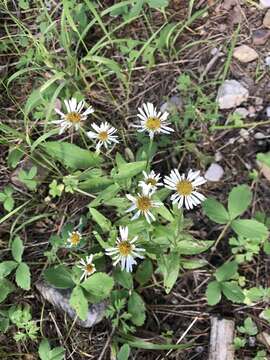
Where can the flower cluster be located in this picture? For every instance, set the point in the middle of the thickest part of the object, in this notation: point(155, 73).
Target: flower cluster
point(185, 187)
point(151, 121)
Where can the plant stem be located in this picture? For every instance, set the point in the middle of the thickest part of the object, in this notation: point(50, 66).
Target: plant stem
point(220, 236)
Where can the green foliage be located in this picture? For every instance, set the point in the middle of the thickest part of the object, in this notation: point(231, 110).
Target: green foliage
point(7, 199)
point(46, 353)
point(98, 287)
point(79, 302)
point(124, 352)
point(249, 327)
point(136, 308)
point(222, 285)
point(22, 318)
point(71, 155)
point(28, 178)
point(59, 277)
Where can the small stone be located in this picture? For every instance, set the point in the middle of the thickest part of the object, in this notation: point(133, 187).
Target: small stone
point(267, 61)
point(173, 104)
point(265, 3)
point(231, 94)
point(260, 37)
point(259, 136)
point(214, 172)
point(245, 54)
point(252, 111)
point(268, 111)
point(241, 111)
point(258, 101)
point(266, 20)
point(218, 156)
point(244, 134)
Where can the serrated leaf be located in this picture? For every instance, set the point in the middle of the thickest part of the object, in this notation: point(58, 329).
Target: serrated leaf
point(59, 276)
point(123, 278)
point(226, 271)
point(144, 272)
point(239, 200)
point(23, 276)
point(79, 302)
point(250, 229)
point(233, 292)
point(136, 308)
point(98, 286)
point(213, 293)
point(71, 155)
point(17, 249)
point(124, 352)
point(193, 263)
point(6, 267)
point(215, 211)
point(6, 287)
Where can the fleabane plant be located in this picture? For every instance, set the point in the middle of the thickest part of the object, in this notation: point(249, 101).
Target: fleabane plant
point(135, 229)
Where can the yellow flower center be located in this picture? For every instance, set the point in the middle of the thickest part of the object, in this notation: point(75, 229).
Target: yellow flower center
point(125, 248)
point(89, 268)
point(75, 238)
point(151, 181)
point(103, 136)
point(153, 123)
point(143, 203)
point(73, 117)
point(184, 187)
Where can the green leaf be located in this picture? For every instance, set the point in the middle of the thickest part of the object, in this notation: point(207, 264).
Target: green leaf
point(124, 352)
point(17, 249)
point(226, 271)
point(239, 200)
point(136, 308)
point(79, 302)
point(233, 292)
point(213, 293)
point(6, 267)
point(123, 278)
point(264, 158)
point(99, 286)
point(129, 170)
point(250, 229)
point(71, 155)
point(193, 263)
point(100, 219)
point(6, 287)
point(158, 4)
point(44, 349)
point(59, 277)
point(165, 213)
point(23, 276)
point(215, 211)
point(144, 272)
point(169, 266)
point(193, 246)
point(249, 327)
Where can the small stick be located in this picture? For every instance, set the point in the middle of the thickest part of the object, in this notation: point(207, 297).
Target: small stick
point(221, 339)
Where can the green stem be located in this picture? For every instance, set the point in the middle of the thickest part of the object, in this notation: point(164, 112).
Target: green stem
point(220, 236)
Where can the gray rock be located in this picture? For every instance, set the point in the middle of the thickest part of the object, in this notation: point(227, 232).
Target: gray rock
point(173, 104)
point(268, 111)
point(245, 54)
point(260, 36)
point(267, 61)
point(265, 3)
point(231, 94)
point(266, 20)
point(214, 172)
point(241, 111)
point(60, 299)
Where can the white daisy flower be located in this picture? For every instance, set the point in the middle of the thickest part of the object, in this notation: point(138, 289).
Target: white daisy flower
point(150, 180)
point(87, 266)
point(104, 135)
point(152, 121)
point(74, 116)
point(74, 238)
point(143, 204)
point(186, 188)
point(125, 251)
